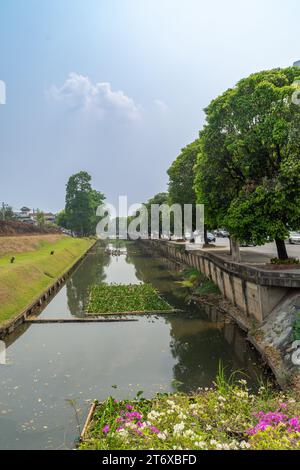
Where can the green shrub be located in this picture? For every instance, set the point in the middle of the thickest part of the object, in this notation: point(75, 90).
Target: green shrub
point(296, 327)
point(285, 261)
point(206, 288)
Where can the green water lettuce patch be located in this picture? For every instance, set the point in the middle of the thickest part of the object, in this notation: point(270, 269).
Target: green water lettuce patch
point(119, 298)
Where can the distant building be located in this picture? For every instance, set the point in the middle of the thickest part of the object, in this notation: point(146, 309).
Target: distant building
point(25, 210)
point(29, 216)
point(24, 215)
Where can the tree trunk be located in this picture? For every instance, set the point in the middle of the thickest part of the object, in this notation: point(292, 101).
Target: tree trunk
point(205, 235)
point(235, 250)
point(281, 249)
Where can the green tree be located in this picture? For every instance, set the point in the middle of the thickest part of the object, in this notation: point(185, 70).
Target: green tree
point(81, 204)
point(181, 177)
point(248, 170)
point(7, 212)
point(61, 219)
point(160, 199)
point(40, 218)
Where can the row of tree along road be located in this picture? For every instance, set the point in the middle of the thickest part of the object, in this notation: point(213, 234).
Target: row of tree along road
point(244, 166)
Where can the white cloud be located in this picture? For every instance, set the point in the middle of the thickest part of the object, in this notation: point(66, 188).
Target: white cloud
point(161, 105)
point(78, 92)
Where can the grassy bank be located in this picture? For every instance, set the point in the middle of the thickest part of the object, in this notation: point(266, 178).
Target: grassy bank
point(226, 417)
point(34, 267)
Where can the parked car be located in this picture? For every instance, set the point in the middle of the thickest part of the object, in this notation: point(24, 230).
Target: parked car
point(224, 233)
point(210, 237)
point(247, 244)
point(221, 233)
point(294, 238)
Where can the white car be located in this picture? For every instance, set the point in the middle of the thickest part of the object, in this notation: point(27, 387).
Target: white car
point(294, 238)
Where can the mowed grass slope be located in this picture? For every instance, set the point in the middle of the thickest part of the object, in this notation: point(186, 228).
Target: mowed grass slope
point(33, 271)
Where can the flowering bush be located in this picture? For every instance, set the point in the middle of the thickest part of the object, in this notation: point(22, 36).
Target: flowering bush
point(275, 431)
point(227, 419)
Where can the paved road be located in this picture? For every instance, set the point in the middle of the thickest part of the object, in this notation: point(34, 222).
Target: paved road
point(259, 252)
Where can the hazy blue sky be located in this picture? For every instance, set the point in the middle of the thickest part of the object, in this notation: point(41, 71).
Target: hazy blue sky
point(117, 87)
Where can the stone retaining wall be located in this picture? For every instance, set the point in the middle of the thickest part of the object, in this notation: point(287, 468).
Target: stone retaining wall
point(256, 292)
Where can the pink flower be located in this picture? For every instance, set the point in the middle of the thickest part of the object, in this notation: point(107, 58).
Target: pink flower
point(294, 422)
point(273, 420)
point(154, 430)
point(129, 407)
point(105, 430)
point(133, 415)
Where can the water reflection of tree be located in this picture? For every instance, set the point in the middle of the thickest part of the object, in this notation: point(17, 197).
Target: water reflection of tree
point(91, 271)
point(198, 341)
point(200, 345)
point(159, 272)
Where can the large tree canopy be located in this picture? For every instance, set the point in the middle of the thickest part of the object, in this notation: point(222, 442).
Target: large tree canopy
point(181, 178)
point(81, 204)
point(248, 170)
point(181, 175)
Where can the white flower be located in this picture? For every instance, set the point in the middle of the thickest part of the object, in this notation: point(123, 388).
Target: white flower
point(170, 403)
point(123, 433)
point(162, 436)
point(153, 415)
point(178, 428)
point(200, 444)
point(189, 433)
point(221, 398)
point(226, 447)
point(243, 382)
point(193, 406)
point(244, 445)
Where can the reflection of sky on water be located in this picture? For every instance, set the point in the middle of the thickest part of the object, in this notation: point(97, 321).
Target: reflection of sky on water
point(120, 271)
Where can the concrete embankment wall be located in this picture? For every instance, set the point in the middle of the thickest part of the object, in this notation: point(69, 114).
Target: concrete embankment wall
point(256, 292)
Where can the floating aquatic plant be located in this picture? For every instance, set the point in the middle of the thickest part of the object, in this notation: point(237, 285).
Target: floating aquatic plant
point(118, 298)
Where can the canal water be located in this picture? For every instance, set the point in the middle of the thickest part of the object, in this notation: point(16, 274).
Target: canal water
point(50, 373)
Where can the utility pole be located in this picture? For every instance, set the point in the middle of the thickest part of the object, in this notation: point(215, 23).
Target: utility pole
point(3, 211)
